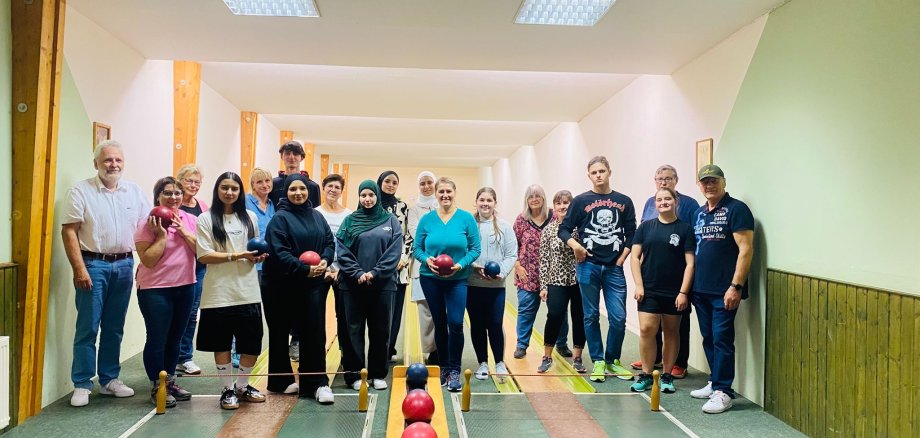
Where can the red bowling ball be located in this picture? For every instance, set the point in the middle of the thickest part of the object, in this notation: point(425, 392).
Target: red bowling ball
point(418, 406)
point(310, 258)
point(419, 430)
point(164, 213)
point(445, 263)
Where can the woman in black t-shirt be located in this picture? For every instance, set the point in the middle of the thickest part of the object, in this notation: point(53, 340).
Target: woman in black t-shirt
point(662, 267)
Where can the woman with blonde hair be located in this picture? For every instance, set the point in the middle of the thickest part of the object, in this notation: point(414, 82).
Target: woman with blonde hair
point(189, 178)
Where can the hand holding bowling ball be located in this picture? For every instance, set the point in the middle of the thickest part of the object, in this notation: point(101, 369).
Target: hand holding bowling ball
point(492, 269)
point(444, 265)
point(257, 244)
point(310, 258)
point(163, 213)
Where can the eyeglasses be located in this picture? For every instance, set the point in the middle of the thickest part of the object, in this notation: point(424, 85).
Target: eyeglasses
point(168, 193)
point(192, 182)
point(666, 179)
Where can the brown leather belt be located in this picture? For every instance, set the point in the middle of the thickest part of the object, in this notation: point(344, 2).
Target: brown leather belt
point(106, 257)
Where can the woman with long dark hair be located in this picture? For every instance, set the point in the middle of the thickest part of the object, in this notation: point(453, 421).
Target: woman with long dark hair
point(230, 300)
point(388, 182)
point(369, 246)
point(297, 292)
point(166, 285)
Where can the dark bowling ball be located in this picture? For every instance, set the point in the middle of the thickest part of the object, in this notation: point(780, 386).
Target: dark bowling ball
point(416, 376)
point(165, 214)
point(445, 263)
point(492, 269)
point(258, 245)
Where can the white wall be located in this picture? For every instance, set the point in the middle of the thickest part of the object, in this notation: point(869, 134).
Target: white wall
point(655, 120)
point(218, 147)
point(6, 134)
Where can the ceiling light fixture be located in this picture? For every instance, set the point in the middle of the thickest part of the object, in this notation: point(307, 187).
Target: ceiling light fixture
point(273, 8)
point(563, 12)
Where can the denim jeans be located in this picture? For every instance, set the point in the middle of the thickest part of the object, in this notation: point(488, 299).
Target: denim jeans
point(165, 313)
point(486, 307)
point(101, 309)
point(447, 301)
point(592, 279)
point(528, 305)
point(717, 326)
point(187, 345)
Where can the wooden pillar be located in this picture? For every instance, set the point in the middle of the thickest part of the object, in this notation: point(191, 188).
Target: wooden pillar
point(309, 150)
point(345, 189)
point(248, 130)
point(37, 43)
point(286, 136)
point(186, 94)
point(323, 173)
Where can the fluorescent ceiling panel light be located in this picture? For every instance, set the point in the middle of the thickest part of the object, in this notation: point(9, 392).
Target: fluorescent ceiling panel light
point(273, 8)
point(563, 12)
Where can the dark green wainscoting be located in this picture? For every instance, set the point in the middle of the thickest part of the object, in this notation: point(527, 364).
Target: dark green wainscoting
point(9, 317)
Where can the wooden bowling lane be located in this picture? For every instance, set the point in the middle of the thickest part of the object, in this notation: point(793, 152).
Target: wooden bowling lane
point(398, 393)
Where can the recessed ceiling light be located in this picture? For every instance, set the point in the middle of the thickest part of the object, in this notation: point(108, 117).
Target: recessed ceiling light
point(273, 8)
point(563, 12)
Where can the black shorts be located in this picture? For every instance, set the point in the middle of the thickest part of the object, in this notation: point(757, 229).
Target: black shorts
point(218, 326)
point(659, 305)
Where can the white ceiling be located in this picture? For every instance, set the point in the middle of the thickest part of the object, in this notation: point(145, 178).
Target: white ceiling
point(387, 79)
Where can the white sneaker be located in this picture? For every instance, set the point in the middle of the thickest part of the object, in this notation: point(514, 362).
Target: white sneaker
point(80, 397)
point(483, 372)
point(718, 402)
point(188, 367)
point(324, 395)
point(379, 384)
point(292, 389)
point(356, 385)
point(117, 388)
point(501, 368)
point(704, 392)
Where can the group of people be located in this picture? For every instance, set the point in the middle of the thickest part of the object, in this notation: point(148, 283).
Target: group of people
point(567, 254)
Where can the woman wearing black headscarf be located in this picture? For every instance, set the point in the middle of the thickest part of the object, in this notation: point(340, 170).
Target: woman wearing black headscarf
point(296, 293)
point(369, 245)
point(388, 182)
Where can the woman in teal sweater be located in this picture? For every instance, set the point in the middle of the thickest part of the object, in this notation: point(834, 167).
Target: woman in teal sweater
point(454, 232)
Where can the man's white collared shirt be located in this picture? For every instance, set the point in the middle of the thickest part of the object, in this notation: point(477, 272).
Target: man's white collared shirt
point(107, 218)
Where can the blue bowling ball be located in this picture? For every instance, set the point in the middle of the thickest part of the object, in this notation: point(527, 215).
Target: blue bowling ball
point(492, 269)
point(416, 376)
point(257, 244)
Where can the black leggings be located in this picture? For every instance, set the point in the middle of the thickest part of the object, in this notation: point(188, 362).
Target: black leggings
point(399, 301)
point(370, 309)
point(486, 306)
point(302, 308)
point(557, 299)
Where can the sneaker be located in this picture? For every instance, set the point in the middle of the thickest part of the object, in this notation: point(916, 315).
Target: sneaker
point(597, 374)
point(678, 372)
point(170, 400)
point(80, 397)
point(637, 365)
point(579, 366)
point(117, 388)
point(519, 353)
point(356, 385)
point(564, 350)
point(453, 383)
point(619, 370)
point(718, 402)
point(394, 358)
point(378, 384)
point(667, 383)
point(445, 376)
point(703, 392)
point(294, 351)
point(249, 394)
point(501, 368)
point(483, 372)
point(188, 367)
point(228, 400)
point(545, 365)
point(292, 389)
point(177, 392)
point(644, 383)
point(235, 360)
point(324, 395)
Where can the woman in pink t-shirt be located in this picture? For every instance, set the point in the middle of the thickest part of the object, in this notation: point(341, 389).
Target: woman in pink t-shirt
point(165, 285)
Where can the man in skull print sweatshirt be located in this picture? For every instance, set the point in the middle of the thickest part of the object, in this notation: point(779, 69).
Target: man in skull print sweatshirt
point(605, 223)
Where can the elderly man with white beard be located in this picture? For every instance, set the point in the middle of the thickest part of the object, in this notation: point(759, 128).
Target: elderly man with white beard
point(100, 218)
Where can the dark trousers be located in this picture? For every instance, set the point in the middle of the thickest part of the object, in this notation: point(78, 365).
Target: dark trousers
point(683, 352)
point(558, 299)
point(165, 313)
point(447, 302)
point(399, 301)
point(303, 309)
point(717, 326)
point(371, 309)
point(486, 307)
point(350, 360)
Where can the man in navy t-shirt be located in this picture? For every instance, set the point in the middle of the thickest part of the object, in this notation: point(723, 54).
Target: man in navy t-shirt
point(724, 228)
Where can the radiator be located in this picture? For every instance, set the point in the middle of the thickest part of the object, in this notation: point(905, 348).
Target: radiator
point(4, 381)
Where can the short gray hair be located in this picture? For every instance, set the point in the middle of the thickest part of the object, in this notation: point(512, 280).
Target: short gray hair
point(97, 152)
point(532, 190)
point(664, 167)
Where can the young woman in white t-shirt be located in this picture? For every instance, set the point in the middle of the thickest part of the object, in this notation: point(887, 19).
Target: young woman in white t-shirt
point(230, 300)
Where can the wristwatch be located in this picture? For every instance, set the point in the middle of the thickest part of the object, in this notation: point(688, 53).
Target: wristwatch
point(736, 286)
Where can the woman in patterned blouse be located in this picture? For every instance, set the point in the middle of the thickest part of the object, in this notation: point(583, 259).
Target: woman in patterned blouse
point(388, 182)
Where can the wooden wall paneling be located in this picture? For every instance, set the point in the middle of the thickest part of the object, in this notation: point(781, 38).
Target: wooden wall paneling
point(808, 369)
point(881, 377)
point(832, 352)
point(872, 349)
point(895, 389)
point(769, 380)
point(915, 383)
point(860, 339)
point(909, 355)
point(186, 97)
point(849, 292)
point(9, 326)
point(286, 136)
point(345, 189)
point(249, 129)
point(791, 406)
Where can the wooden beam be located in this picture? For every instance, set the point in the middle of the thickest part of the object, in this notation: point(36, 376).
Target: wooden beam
point(345, 189)
point(37, 47)
point(286, 136)
point(186, 94)
point(323, 167)
point(309, 151)
point(248, 130)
